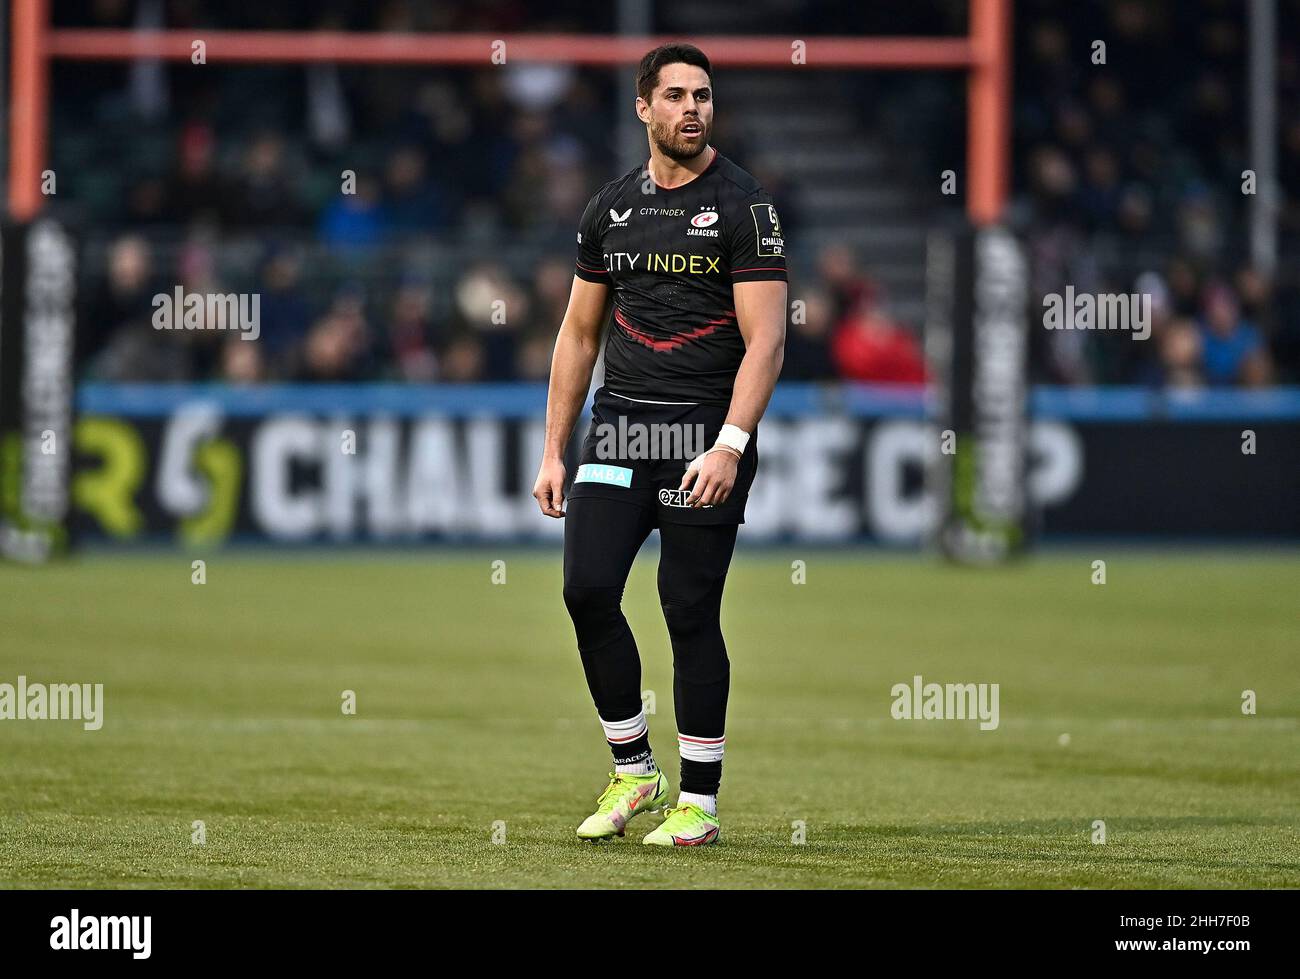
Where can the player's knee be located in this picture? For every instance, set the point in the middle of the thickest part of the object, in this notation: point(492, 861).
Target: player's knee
point(594, 610)
point(691, 601)
point(689, 621)
point(699, 652)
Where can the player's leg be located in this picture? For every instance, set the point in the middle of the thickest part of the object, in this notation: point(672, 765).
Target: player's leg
point(693, 564)
point(601, 540)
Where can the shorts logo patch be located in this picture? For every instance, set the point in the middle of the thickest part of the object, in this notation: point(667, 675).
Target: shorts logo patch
point(678, 498)
point(590, 472)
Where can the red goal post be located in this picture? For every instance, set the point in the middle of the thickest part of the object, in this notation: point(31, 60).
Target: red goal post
point(985, 54)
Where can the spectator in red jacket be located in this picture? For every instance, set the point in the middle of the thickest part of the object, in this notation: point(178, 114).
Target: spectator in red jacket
point(869, 346)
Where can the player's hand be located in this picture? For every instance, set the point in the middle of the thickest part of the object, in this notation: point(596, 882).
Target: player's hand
point(548, 491)
point(714, 474)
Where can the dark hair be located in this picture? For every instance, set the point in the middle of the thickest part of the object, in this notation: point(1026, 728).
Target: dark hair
point(647, 74)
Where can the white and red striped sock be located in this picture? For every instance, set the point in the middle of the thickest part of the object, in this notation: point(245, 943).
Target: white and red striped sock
point(623, 733)
point(696, 751)
point(701, 749)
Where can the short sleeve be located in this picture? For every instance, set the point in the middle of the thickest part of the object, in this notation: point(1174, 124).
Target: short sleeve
point(757, 241)
point(591, 260)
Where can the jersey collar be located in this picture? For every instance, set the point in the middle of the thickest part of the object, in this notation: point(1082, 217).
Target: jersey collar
point(713, 162)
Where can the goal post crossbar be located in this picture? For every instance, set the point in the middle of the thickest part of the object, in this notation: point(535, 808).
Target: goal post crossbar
point(984, 54)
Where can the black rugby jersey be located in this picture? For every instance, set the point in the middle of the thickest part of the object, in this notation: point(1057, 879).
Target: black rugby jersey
point(671, 257)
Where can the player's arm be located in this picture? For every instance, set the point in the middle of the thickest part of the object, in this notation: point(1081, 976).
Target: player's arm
point(577, 347)
point(760, 315)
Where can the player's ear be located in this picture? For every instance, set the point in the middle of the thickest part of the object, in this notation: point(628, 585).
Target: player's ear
point(642, 109)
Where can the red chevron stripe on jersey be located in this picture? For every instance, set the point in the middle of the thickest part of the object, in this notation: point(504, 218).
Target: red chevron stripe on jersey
point(677, 339)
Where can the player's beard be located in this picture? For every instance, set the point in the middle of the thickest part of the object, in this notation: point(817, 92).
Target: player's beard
point(670, 143)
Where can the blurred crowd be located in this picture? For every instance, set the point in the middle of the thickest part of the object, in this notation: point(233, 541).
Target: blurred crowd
point(497, 328)
point(1131, 179)
point(417, 225)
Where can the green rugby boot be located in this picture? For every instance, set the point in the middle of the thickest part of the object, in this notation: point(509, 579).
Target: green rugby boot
point(626, 796)
point(685, 825)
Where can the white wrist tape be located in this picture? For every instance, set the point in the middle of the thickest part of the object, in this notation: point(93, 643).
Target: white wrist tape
point(733, 437)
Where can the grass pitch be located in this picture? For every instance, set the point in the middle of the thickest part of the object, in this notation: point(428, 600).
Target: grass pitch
point(223, 704)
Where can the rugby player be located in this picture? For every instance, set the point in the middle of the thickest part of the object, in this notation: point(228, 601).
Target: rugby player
point(689, 252)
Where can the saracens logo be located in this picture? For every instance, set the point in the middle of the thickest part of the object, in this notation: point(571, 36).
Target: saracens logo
point(700, 225)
